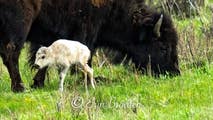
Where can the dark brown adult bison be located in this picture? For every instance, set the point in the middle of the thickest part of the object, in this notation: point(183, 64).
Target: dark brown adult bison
point(146, 36)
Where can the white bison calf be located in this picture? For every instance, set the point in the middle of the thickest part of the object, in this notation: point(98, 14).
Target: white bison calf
point(63, 53)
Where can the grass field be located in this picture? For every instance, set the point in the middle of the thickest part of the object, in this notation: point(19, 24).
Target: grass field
point(125, 94)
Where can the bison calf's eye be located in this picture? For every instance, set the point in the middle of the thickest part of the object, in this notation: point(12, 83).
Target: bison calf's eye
point(42, 57)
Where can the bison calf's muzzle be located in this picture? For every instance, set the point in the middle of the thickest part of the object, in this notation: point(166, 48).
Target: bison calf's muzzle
point(36, 66)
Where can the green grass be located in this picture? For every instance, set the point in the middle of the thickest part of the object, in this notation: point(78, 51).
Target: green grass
point(125, 94)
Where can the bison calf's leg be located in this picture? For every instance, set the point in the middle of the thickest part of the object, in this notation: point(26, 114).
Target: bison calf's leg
point(11, 61)
point(89, 70)
point(39, 78)
point(85, 81)
point(62, 77)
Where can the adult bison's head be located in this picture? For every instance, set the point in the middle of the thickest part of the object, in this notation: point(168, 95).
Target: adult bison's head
point(155, 43)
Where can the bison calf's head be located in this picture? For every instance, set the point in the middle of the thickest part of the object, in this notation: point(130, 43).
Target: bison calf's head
point(43, 58)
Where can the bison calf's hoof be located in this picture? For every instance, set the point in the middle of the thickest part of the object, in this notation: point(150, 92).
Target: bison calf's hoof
point(18, 88)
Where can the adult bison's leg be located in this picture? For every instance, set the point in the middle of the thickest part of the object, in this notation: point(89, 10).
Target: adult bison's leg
point(91, 39)
point(39, 78)
point(91, 55)
point(40, 75)
point(10, 59)
point(39, 37)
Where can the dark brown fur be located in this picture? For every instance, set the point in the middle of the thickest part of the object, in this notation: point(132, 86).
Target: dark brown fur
point(126, 26)
point(16, 17)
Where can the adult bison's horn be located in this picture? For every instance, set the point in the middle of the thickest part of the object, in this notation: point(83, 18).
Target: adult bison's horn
point(158, 26)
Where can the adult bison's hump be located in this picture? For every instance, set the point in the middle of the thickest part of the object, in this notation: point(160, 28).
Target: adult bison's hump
point(69, 18)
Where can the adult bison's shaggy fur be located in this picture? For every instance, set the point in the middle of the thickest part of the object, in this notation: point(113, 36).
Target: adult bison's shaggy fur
point(146, 36)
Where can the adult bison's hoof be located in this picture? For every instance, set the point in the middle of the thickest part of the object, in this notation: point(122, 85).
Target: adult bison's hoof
point(18, 88)
point(36, 85)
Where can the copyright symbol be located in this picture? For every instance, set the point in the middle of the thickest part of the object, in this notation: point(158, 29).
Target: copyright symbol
point(77, 102)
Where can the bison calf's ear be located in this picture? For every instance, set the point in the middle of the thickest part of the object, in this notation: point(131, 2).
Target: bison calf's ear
point(43, 50)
